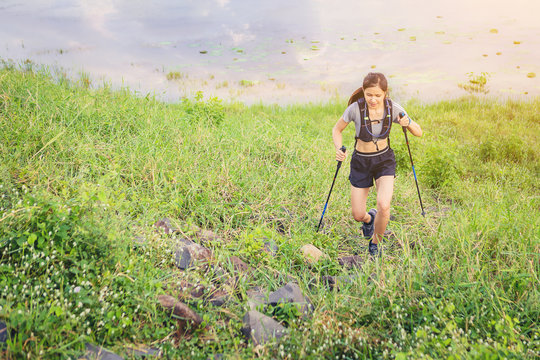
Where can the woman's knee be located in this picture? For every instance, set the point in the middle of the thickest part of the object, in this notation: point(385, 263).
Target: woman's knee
point(359, 215)
point(383, 208)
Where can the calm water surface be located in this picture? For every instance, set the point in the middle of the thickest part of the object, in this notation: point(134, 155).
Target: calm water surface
point(281, 51)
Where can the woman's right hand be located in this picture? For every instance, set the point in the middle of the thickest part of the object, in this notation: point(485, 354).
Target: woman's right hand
point(340, 155)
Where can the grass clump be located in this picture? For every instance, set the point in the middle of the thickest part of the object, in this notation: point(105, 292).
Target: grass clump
point(84, 173)
point(175, 75)
point(477, 83)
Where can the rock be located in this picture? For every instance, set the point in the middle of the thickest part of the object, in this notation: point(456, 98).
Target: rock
point(238, 264)
point(94, 352)
point(3, 333)
point(261, 328)
point(183, 241)
point(186, 255)
point(187, 290)
point(197, 291)
point(180, 309)
point(290, 293)
point(207, 236)
point(256, 298)
point(311, 253)
point(354, 261)
point(165, 226)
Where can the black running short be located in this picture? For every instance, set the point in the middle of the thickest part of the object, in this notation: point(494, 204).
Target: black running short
point(368, 166)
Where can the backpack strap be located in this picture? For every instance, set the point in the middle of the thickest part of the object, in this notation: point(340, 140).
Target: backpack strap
point(364, 131)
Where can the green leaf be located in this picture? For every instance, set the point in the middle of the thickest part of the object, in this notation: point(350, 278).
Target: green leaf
point(20, 241)
point(32, 239)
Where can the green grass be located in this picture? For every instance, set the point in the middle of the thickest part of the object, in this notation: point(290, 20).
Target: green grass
point(83, 172)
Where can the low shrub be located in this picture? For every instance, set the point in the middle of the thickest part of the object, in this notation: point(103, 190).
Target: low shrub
point(198, 110)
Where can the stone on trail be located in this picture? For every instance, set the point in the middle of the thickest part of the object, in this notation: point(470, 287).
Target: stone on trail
point(261, 328)
point(311, 253)
point(256, 298)
point(207, 236)
point(180, 309)
point(186, 255)
point(291, 293)
point(166, 226)
point(94, 352)
point(239, 265)
point(186, 290)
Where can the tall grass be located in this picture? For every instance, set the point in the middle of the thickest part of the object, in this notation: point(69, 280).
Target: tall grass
point(82, 172)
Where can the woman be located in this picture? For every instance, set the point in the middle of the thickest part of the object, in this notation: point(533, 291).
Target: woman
point(373, 114)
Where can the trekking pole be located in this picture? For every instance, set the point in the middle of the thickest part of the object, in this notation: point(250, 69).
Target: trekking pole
point(328, 198)
point(402, 114)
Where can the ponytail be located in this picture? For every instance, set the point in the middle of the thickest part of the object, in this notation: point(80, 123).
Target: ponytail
point(357, 94)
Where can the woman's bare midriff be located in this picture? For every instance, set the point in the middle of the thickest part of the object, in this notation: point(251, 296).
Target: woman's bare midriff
point(370, 147)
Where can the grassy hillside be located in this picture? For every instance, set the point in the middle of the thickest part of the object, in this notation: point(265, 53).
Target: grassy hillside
point(83, 173)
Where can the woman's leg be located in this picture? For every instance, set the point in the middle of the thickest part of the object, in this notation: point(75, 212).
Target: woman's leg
point(385, 190)
point(358, 204)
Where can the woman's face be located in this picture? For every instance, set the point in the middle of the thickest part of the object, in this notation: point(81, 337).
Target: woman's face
point(374, 96)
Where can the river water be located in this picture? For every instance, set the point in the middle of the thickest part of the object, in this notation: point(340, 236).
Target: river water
point(278, 51)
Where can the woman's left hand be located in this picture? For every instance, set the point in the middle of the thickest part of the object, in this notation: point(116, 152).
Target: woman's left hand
point(405, 121)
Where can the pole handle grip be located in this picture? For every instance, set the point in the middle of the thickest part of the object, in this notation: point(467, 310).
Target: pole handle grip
point(343, 149)
point(402, 114)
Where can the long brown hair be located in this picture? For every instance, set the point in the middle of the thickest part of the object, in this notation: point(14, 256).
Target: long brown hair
point(371, 79)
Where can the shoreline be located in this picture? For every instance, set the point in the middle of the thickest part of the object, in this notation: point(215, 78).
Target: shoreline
point(175, 86)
